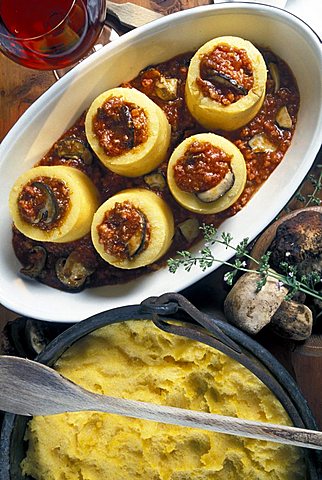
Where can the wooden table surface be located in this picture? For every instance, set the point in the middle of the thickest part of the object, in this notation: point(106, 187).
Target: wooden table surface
point(20, 87)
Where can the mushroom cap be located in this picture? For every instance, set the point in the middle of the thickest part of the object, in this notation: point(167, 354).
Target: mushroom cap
point(298, 241)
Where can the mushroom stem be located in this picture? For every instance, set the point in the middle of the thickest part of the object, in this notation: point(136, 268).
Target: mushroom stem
point(249, 308)
point(292, 320)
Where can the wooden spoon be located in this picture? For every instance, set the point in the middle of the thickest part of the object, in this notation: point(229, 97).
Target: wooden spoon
point(31, 388)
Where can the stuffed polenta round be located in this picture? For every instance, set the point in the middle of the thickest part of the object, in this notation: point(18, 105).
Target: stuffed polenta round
point(129, 133)
point(53, 203)
point(133, 228)
point(226, 83)
point(206, 173)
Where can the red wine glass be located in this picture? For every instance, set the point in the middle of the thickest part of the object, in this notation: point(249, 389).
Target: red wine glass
point(49, 34)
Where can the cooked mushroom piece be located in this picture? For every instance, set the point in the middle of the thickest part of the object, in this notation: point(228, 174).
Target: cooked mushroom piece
point(126, 120)
point(36, 335)
point(189, 229)
point(219, 190)
point(75, 149)
point(275, 74)
point(260, 144)
point(166, 88)
point(37, 259)
point(283, 118)
point(71, 272)
point(215, 77)
point(136, 242)
point(155, 180)
point(49, 211)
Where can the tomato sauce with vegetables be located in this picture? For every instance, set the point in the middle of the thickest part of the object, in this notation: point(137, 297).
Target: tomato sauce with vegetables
point(259, 164)
point(202, 167)
point(120, 126)
point(124, 231)
point(44, 201)
point(226, 74)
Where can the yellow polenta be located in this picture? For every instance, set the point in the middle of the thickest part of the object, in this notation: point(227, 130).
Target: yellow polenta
point(136, 360)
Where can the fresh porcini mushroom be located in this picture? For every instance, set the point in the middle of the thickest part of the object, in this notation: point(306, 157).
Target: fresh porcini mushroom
point(72, 272)
point(298, 241)
point(48, 211)
point(292, 320)
point(166, 88)
point(190, 229)
point(283, 118)
point(73, 148)
point(219, 190)
point(259, 143)
point(155, 180)
point(275, 74)
point(250, 309)
point(37, 260)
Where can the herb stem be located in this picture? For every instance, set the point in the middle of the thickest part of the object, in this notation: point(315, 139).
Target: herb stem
point(206, 259)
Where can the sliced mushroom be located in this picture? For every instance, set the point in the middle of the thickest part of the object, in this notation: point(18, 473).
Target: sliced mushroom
point(283, 118)
point(156, 181)
point(71, 272)
point(219, 190)
point(75, 149)
point(260, 144)
point(127, 120)
point(48, 213)
point(36, 335)
point(166, 88)
point(136, 242)
point(275, 74)
point(220, 78)
point(249, 308)
point(37, 259)
point(292, 320)
point(190, 229)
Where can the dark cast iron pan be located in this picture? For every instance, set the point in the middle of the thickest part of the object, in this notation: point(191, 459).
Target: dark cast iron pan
point(193, 324)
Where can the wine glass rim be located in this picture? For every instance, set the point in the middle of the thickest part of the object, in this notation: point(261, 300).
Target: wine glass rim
point(25, 39)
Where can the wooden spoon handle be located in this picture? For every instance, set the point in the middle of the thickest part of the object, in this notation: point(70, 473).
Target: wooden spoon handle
point(208, 421)
point(31, 388)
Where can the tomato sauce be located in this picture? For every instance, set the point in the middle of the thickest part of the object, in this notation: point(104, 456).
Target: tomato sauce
point(124, 231)
point(259, 165)
point(44, 201)
point(120, 126)
point(226, 74)
point(202, 167)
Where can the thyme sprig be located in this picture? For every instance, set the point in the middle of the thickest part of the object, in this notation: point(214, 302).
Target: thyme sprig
point(313, 198)
point(239, 263)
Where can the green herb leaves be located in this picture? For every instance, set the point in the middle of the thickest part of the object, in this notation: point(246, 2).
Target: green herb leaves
point(239, 263)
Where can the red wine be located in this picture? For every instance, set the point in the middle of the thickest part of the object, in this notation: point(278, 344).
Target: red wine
point(49, 34)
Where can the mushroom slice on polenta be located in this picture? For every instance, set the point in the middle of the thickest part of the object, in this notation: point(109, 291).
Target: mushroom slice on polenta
point(53, 203)
point(133, 228)
point(206, 173)
point(226, 83)
point(129, 133)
